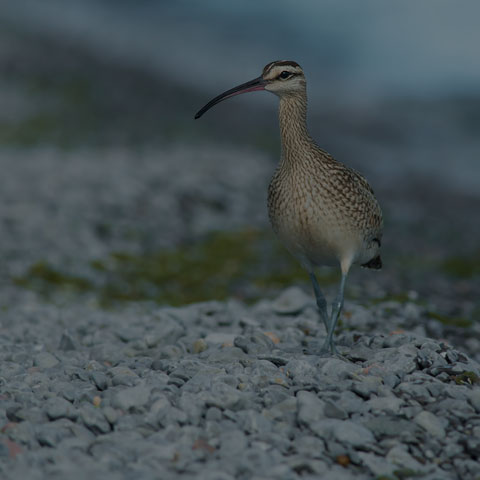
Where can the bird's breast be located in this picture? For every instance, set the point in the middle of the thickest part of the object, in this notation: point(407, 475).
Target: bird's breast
point(307, 221)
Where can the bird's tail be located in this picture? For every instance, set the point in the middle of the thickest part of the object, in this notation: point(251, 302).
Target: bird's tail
point(375, 263)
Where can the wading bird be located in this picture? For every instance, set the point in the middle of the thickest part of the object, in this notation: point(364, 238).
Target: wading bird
point(323, 211)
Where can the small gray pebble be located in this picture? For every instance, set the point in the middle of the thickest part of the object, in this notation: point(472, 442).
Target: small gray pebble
point(389, 404)
point(301, 371)
point(123, 379)
point(451, 356)
point(452, 449)
point(310, 446)
point(473, 447)
point(350, 402)
point(256, 349)
point(474, 398)
point(213, 414)
point(337, 369)
point(94, 419)
point(431, 423)
point(310, 408)
point(291, 301)
point(232, 443)
point(241, 342)
point(45, 360)
point(100, 380)
point(57, 407)
point(416, 391)
point(225, 397)
point(110, 414)
point(135, 397)
point(51, 434)
point(391, 380)
point(436, 389)
point(285, 411)
point(178, 382)
point(67, 342)
point(24, 433)
point(366, 387)
point(107, 352)
point(128, 334)
point(350, 433)
point(254, 422)
point(275, 359)
point(399, 456)
point(387, 426)
point(332, 410)
point(343, 431)
point(377, 465)
point(442, 376)
point(170, 351)
point(167, 332)
point(274, 394)
point(10, 369)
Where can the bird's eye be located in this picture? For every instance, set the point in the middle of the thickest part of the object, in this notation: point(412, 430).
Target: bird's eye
point(284, 75)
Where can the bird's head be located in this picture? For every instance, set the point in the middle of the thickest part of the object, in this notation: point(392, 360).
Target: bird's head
point(282, 77)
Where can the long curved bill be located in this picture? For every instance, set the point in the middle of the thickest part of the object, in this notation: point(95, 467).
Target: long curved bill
point(251, 86)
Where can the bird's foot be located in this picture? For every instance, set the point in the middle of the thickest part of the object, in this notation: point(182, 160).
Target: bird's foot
point(322, 349)
point(329, 348)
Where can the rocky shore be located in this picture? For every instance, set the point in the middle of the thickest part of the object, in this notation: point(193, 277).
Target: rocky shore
point(221, 390)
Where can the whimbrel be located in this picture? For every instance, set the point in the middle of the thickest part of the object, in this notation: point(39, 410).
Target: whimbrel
point(323, 211)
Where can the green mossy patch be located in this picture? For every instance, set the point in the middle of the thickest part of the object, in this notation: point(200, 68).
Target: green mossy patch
point(467, 378)
point(212, 269)
point(245, 264)
point(68, 117)
point(460, 322)
point(462, 266)
point(42, 278)
point(29, 131)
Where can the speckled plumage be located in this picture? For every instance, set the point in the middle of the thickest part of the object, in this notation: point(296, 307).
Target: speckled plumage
point(323, 211)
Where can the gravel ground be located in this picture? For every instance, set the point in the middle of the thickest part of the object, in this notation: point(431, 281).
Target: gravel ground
point(222, 390)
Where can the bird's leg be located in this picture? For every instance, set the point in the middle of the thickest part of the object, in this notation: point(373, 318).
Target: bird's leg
point(336, 309)
point(321, 302)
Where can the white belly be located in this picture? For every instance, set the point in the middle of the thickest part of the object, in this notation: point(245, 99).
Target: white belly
point(313, 237)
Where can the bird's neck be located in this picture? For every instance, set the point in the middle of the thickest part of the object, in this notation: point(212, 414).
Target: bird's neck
point(293, 126)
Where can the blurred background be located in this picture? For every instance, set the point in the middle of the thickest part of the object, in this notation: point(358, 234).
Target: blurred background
point(110, 190)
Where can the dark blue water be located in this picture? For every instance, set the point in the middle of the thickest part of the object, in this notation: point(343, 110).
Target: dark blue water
point(349, 47)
